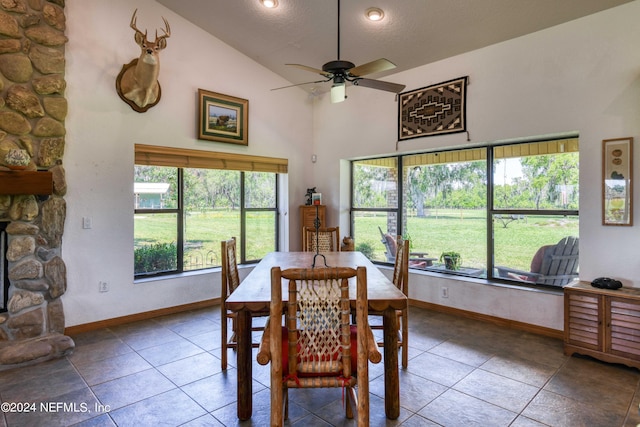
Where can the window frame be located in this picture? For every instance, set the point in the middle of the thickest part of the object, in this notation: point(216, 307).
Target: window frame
point(490, 208)
point(148, 155)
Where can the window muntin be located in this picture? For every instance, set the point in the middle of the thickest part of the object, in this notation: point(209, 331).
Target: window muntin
point(445, 202)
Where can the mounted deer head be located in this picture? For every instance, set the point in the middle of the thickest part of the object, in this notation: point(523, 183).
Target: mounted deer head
point(137, 84)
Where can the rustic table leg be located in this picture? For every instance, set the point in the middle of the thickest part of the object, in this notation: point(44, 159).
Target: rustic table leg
point(391, 380)
point(243, 335)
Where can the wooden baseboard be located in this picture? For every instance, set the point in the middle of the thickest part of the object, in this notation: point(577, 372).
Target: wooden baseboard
point(116, 321)
point(535, 329)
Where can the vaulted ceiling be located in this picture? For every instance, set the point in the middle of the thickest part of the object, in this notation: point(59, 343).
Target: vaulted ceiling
point(412, 33)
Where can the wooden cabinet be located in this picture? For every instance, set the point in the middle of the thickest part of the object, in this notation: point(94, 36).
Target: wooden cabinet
point(308, 216)
point(602, 323)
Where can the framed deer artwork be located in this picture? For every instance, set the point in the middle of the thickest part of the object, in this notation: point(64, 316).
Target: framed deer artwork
point(223, 118)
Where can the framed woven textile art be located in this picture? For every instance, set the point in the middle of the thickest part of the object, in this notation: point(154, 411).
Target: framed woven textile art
point(433, 110)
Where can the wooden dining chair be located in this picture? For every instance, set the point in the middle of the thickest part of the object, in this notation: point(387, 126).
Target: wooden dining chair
point(328, 239)
point(401, 280)
point(230, 281)
point(318, 347)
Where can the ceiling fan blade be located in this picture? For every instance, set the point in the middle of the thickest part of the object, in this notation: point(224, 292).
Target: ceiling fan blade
point(313, 70)
point(376, 66)
point(379, 84)
point(300, 84)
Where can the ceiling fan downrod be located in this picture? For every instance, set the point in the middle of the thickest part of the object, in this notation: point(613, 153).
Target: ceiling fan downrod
point(338, 67)
point(338, 58)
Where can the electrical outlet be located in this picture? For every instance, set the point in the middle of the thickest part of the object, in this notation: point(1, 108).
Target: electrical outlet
point(103, 287)
point(445, 292)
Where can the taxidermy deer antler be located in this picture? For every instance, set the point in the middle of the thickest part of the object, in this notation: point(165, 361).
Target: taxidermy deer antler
point(137, 84)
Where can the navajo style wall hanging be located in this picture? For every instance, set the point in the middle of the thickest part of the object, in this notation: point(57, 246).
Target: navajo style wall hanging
point(433, 110)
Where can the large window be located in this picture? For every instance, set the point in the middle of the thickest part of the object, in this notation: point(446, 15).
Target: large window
point(183, 213)
point(506, 212)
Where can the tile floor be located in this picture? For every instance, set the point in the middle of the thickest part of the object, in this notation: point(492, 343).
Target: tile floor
point(166, 372)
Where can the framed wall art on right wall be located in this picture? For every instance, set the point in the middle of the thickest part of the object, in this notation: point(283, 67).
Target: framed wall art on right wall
point(617, 181)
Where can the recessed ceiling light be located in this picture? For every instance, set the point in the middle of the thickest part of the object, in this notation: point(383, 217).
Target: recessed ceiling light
point(374, 14)
point(269, 3)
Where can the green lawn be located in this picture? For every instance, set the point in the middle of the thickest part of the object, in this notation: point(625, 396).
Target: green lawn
point(204, 231)
point(440, 231)
point(464, 231)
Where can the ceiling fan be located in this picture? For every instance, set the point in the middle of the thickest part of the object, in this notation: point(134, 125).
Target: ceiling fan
point(340, 72)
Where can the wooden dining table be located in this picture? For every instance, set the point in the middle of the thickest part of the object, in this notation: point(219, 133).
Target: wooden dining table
point(254, 295)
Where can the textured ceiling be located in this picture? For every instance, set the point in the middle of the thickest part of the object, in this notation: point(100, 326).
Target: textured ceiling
point(412, 33)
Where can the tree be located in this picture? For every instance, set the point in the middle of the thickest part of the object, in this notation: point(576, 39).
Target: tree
point(372, 185)
point(552, 179)
point(437, 184)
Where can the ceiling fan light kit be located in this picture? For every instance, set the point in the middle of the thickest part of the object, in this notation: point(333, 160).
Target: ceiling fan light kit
point(340, 71)
point(338, 92)
point(269, 3)
point(374, 14)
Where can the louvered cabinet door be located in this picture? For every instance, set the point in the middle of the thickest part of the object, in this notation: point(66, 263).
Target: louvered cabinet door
point(623, 327)
point(602, 323)
point(583, 320)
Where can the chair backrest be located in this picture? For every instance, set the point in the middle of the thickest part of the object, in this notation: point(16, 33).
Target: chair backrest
point(317, 317)
point(328, 239)
point(401, 266)
point(560, 262)
point(230, 277)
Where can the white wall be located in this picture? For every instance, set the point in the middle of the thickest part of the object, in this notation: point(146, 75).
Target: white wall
point(582, 76)
point(102, 130)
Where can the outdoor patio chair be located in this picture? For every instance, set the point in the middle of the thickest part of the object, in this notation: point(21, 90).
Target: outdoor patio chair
point(318, 347)
point(230, 281)
point(416, 259)
point(554, 265)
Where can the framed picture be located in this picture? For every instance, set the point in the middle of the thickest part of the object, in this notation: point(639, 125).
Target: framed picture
point(223, 118)
point(316, 198)
point(617, 181)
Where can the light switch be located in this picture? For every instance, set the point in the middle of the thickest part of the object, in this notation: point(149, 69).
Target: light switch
point(86, 222)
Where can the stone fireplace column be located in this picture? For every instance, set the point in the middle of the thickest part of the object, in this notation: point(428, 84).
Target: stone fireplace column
point(32, 113)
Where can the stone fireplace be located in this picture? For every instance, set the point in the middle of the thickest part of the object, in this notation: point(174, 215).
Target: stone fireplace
point(32, 113)
point(4, 280)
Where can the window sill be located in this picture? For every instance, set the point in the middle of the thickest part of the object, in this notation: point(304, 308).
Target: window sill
point(186, 274)
point(500, 284)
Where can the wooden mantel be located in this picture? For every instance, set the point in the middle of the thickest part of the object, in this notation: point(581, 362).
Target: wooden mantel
point(26, 182)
